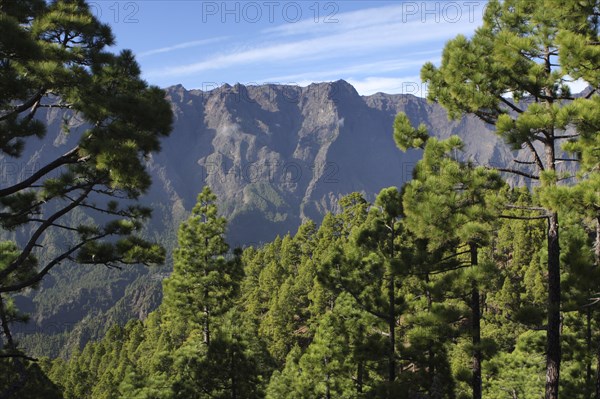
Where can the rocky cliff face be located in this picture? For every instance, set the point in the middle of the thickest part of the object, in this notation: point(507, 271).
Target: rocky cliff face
point(277, 155)
point(274, 155)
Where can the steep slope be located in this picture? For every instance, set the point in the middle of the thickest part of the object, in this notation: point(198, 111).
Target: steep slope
point(274, 155)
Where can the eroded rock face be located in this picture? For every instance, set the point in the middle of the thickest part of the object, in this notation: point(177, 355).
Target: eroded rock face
point(276, 155)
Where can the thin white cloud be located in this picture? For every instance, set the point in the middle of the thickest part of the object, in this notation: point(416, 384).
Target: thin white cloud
point(385, 66)
point(390, 85)
point(368, 39)
point(195, 43)
point(432, 13)
point(376, 84)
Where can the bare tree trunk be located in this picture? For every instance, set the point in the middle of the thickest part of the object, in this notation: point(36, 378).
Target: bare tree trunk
point(598, 370)
point(597, 256)
point(17, 385)
point(553, 352)
point(392, 331)
point(206, 328)
point(392, 314)
point(360, 376)
point(476, 330)
point(588, 344)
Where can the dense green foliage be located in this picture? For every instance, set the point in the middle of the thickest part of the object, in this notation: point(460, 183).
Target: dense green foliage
point(309, 314)
point(457, 286)
point(55, 56)
point(513, 73)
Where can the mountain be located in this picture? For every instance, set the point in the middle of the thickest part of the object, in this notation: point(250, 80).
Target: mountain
point(275, 155)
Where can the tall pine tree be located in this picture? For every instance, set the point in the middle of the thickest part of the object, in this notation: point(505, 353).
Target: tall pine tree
point(513, 73)
point(204, 282)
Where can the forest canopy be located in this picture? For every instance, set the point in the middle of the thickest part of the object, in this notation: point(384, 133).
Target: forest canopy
point(457, 285)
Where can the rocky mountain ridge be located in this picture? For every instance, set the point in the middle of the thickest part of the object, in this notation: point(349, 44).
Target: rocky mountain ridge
point(275, 155)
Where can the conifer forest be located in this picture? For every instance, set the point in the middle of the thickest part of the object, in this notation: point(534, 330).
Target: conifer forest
point(469, 281)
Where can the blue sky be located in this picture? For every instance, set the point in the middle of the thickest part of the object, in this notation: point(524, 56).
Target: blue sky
point(374, 45)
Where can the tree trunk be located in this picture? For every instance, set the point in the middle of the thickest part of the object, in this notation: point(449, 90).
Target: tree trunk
point(431, 352)
point(360, 377)
point(588, 344)
point(232, 366)
point(476, 330)
point(206, 329)
point(598, 370)
point(10, 344)
point(360, 371)
point(597, 242)
point(392, 313)
point(597, 256)
point(392, 330)
point(19, 383)
point(553, 352)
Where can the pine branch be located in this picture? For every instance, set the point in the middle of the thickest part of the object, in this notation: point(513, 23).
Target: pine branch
point(462, 265)
point(511, 105)
point(567, 159)
point(524, 162)
point(590, 94)
point(538, 160)
point(30, 210)
point(67, 158)
point(53, 224)
point(19, 355)
point(40, 230)
point(26, 105)
point(527, 208)
point(516, 172)
point(361, 305)
point(38, 277)
point(120, 213)
point(20, 368)
point(61, 106)
point(567, 136)
point(524, 217)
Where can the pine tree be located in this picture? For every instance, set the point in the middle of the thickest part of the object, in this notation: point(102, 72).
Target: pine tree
point(333, 365)
point(448, 202)
point(368, 267)
point(54, 55)
point(524, 50)
point(204, 283)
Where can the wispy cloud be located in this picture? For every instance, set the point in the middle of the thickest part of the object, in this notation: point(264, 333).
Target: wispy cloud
point(370, 38)
point(385, 66)
point(433, 13)
point(195, 43)
point(391, 85)
point(379, 84)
